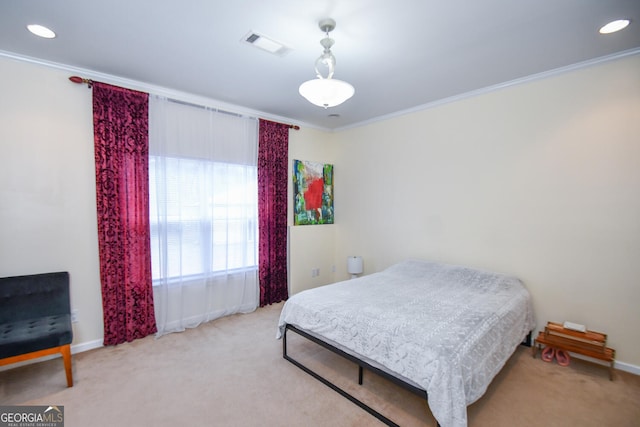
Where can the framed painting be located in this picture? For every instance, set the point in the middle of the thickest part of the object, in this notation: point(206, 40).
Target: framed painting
point(312, 193)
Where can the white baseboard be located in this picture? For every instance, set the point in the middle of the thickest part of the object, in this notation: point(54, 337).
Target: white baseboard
point(627, 367)
point(91, 345)
point(86, 346)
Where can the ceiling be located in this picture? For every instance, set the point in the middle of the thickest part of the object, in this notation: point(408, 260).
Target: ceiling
point(398, 55)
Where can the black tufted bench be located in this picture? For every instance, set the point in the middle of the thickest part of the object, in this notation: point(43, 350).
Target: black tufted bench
point(35, 318)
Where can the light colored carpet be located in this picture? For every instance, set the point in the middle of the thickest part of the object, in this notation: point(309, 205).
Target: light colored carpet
point(230, 372)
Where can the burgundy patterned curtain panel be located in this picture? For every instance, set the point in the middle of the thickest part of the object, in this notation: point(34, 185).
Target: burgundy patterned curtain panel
point(273, 158)
point(121, 137)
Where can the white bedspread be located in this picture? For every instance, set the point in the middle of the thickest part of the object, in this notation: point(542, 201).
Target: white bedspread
point(447, 329)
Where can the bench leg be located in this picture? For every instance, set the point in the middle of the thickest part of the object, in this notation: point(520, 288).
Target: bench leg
point(64, 350)
point(611, 371)
point(66, 356)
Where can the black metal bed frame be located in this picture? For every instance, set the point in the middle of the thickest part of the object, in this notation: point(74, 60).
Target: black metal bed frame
point(361, 365)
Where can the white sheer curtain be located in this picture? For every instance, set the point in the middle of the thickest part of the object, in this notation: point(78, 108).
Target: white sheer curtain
point(203, 211)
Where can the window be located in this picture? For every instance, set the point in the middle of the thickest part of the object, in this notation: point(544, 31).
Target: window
point(203, 209)
point(206, 212)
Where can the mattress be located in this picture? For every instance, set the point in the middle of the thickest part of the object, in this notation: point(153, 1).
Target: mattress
point(447, 329)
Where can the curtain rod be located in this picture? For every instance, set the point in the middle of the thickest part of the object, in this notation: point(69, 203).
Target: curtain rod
point(89, 83)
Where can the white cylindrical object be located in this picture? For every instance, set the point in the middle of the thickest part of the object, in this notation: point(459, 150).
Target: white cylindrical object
point(355, 266)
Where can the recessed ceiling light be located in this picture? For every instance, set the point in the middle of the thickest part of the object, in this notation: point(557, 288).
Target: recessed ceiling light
point(41, 31)
point(614, 26)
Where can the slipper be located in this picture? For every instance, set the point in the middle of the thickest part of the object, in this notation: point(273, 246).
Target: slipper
point(563, 358)
point(547, 354)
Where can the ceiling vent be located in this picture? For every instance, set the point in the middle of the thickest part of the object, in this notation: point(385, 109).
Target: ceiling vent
point(265, 43)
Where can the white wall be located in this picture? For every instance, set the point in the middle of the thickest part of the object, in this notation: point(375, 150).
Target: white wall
point(47, 185)
point(311, 246)
point(540, 180)
point(47, 191)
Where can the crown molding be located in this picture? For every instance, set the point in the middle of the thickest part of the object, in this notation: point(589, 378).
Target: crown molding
point(527, 79)
point(247, 112)
point(186, 97)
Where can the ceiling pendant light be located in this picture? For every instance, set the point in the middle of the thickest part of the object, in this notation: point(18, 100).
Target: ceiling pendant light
point(325, 91)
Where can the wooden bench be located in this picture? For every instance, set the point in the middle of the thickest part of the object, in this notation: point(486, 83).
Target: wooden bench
point(588, 343)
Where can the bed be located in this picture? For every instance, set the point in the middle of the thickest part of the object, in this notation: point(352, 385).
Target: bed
point(442, 329)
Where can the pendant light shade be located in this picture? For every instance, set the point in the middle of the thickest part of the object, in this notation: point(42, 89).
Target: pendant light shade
point(325, 91)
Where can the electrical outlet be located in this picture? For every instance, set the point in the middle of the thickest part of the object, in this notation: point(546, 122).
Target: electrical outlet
point(315, 272)
point(74, 316)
